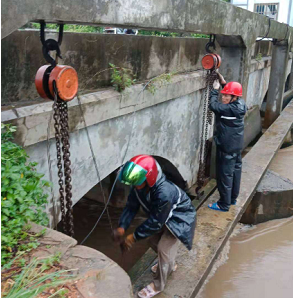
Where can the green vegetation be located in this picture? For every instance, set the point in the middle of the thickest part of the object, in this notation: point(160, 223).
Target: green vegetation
point(121, 78)
point(159, 81)
point(67, 27)
point(35, 278)
point(23, 197)
point(258, 57)
point(96, 29)
point(171, 34)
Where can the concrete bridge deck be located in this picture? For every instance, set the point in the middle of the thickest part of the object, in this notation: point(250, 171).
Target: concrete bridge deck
point(214, 228)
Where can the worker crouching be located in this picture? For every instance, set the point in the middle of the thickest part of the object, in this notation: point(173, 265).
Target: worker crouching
point(171, 217)
point(229, 140)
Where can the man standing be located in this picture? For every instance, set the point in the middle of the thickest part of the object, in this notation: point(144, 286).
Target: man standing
point(229, 140)
point(171, 217)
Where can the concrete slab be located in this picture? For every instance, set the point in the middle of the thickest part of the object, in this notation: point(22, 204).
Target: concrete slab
point(214, 228)
point(252, 125)
point(96, 275)
point(283, 163)
point(273, 200)
point(169, 15)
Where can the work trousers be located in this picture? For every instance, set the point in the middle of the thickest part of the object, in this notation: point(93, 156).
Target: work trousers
point(166, 246)
point(229, 167)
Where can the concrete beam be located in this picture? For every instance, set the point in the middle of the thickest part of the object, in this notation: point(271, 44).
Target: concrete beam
point(197, 16)
point(214, 228)
point(32, 120)
point(277, 82)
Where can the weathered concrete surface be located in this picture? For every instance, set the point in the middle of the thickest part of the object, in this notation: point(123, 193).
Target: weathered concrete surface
point(283, 163)
point(96, 273)
point(90, 54)
point(277, 82)
point(273, 199)
point(171, 116)
point(32, 120)
point(258, 82)
point(185, 16)
point(214, 228)
point(166, 124)
point(252, 125)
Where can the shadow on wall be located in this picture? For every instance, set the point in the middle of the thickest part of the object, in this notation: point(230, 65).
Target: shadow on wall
point(171, 172)
point(121, 191)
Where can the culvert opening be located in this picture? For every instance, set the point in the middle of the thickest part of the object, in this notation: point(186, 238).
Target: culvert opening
point(89, 208)
point(87, 211)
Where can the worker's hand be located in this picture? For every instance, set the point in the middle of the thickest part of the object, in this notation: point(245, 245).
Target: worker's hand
point(221, 78)
point(127, 243)
point(118, 234)
point(216, 85)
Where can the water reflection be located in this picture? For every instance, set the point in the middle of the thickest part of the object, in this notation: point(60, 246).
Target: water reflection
point(260, 264)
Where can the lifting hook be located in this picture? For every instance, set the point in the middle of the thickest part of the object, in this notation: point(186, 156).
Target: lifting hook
point(51, 44)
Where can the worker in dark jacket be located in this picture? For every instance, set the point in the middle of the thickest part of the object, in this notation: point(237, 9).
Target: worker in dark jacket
point(171, 216)
point(229, 140)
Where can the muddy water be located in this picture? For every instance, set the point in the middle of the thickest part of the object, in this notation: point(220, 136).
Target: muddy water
point(258, 263)
point(86, 212)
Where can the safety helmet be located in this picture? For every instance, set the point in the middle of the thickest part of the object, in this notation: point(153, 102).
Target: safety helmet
point(232, 88)
point(139, 169)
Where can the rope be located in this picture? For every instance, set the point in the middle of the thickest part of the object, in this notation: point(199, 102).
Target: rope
point(131, 134)
point(95, 161)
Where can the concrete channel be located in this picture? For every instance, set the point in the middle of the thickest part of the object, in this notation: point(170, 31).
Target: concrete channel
point(214, 229)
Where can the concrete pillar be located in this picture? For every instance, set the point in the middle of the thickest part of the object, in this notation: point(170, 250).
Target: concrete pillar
point(235, 60)
point(290, 83)
point(277, 82)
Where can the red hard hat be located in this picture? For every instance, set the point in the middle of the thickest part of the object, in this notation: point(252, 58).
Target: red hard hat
point(149, 164)
point(232, 88)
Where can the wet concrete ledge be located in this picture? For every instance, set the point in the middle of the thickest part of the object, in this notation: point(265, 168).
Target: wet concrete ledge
point(214, 228)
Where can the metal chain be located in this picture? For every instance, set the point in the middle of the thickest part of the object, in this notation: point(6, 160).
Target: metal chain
point(64, 170)
point(207, 119)
point(67, 170)
point(56, 117)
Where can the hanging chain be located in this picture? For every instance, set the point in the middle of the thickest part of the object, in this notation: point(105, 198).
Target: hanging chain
point(56, 117)
point(63, 163)
point(67, 168)
point(207, 119)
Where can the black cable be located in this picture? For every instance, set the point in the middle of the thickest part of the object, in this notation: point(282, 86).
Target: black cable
point(131, 133)
point(285, 35)
point(267, 32)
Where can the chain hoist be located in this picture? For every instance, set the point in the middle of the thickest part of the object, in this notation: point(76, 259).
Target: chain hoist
point(210, 62)
point(59, 83)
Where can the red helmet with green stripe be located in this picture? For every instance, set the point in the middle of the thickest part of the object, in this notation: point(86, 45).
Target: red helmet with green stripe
point(139, 169)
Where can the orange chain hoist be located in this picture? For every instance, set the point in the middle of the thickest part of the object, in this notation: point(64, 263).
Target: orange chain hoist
point(210, 62)
point(60, 84)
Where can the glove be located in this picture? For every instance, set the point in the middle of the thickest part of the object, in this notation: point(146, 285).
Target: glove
point(127, 243)
point(221, 78)
point(216, 85)
point(118, 234)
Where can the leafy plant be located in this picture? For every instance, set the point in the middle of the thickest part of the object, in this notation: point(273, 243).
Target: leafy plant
point(159, 81)
point(34, 279)
point(121, 78)
point(23, 197)
point(258, 57)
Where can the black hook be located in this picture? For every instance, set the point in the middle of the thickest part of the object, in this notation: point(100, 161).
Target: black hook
point(211, 43)
point(51, 44)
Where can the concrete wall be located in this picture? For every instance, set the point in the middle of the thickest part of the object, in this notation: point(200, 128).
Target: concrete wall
point(166, 124)
point(90, 54)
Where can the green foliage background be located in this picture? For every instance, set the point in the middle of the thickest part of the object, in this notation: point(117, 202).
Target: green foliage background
point(23, 196)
